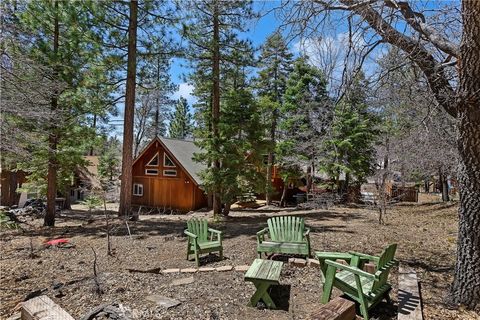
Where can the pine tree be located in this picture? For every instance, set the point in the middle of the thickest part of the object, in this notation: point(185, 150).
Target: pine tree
point(120, 22)
point(275, 65)
point(212, 30)
point(60, 38)
point(306, 116)
point(181, 121)
point(350, 149)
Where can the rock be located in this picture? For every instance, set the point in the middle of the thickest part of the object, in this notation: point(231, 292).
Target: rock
point(189, 270)
point(313, 263)
point(224, 268)
point(299, 262)
point(243, 268)
point(171, 270)
point(163, 301)
point(369, 267)
point(182, 281)
point(206, 269)
point(342, 261)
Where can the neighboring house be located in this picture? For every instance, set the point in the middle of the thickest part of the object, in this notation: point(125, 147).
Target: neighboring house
point(10, 182)
point(166, 176)
point(85, 179)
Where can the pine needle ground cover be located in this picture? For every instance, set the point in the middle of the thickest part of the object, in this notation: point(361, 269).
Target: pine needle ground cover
point(425, 232)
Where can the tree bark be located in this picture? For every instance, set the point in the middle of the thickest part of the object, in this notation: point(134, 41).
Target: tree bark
point(466, 284)
point(13, 196)
point(217, 205)
point(443, 184)
point(226, 208)
point(426, 185)
point(445, 195)
point(283, 199)
point(270, 163)
point(309, 179)
point(126, 183)
point(67, 204)
point(435, 75)
point(94, 127)
point(49, 219)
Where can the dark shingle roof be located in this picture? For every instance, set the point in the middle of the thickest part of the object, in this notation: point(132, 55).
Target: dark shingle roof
point(183, 151)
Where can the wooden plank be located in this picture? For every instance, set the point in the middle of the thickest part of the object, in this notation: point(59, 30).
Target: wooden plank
point(43, 308)
point(409, 301)
point(337, 309)
point(266, 270)
point(275, 270)
point(252, 271)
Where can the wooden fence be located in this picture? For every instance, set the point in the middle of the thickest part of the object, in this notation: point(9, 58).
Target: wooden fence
point(404, 194)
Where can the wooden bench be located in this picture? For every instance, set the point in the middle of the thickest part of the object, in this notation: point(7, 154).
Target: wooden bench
point(263, 274)
point(286, 234)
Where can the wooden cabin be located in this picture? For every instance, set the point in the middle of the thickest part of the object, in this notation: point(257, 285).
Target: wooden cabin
point(166, 176)
point(10, 182)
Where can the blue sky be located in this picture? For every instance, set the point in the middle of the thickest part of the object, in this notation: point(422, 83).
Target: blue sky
point(333, 40)
point(258, 31)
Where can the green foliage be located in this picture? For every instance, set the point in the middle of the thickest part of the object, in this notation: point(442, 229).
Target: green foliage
point(6, 222)
point(80, 93)
point(305, 117)
point(241, 148)
point(109, 161)
point(181, 121)
point(92, 202)
point(275, 63)
point(350, 148)
point(235, 147)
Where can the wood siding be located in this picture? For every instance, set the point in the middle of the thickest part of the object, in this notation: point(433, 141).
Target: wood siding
point(10, 181)
point(179, 192)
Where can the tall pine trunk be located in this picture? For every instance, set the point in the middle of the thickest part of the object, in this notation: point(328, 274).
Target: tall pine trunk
point(13, 196)
point(466, 284)
point(270, 161)
point(49, 219)
point(126, 184)
point(443, 184)
point(217, 205)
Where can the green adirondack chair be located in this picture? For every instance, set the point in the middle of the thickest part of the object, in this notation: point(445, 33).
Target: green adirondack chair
point(201, 239)
point(365, 288)
point(286, 234)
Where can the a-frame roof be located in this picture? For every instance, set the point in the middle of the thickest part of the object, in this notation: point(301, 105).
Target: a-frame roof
point(183, 152)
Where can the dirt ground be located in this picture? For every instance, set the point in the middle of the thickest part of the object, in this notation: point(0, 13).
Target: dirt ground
point(425, 232)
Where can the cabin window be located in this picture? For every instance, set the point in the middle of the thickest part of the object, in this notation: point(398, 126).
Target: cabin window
point(154, 161)
point(167, 162)
point(170, 173)
point(151, 172)
point(138, 189)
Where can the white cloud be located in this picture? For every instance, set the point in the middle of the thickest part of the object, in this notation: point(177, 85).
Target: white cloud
point(329, 53)
point(185, 90)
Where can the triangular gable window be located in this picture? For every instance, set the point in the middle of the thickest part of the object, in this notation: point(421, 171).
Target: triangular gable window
point(154, 161)
point(167, 162)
